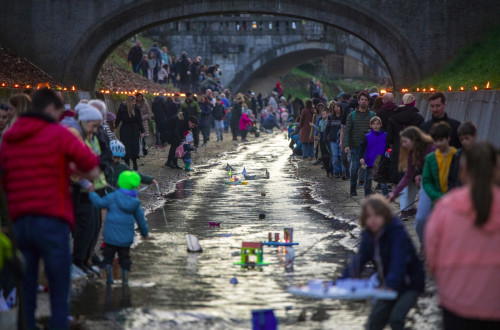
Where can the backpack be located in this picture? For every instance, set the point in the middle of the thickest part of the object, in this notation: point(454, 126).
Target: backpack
point(179, 151)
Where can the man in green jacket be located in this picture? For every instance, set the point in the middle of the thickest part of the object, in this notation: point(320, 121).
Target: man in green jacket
point(190, 108)
point(357, 126)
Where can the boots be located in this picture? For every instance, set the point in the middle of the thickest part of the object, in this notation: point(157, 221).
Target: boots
point(109, 274)
point(353, 191)
point(124, 276)
point(134, 162)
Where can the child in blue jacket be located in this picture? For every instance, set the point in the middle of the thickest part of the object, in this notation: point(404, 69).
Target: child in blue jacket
point(124, 210)
point(385, 242)
point(188, 148)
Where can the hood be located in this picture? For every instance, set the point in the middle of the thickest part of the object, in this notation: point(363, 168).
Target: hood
point(127, 203)
point(26, 127)
point(389, 106)
point(459, 202)
point(405, 115)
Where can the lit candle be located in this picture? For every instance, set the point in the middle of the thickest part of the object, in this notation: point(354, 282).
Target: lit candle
point(488, 86)
point(475, 88)
point(462, 88)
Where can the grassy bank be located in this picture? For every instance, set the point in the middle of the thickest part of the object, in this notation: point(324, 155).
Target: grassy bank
point(474, 66)
point(296, 83)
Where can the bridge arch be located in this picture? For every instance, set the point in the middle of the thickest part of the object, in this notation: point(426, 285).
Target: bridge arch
point(278, 61)
point(101, 38)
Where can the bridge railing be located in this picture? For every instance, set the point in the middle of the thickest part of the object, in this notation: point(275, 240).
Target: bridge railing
point(241, 25)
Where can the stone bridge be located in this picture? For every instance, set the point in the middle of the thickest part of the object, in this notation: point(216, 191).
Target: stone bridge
point(254, 51)
point(70, 39)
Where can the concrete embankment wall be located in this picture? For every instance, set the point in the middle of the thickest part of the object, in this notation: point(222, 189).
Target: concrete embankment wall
point(481, 107)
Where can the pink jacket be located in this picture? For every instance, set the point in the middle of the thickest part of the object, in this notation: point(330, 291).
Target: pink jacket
point(465, 259)
point(244, 121)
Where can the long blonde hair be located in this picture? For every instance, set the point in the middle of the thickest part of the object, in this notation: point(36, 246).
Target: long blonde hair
point(22, 103)
point(421, 143)
point(130, 105)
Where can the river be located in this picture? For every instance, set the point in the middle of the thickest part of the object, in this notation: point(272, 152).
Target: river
point(170, 288)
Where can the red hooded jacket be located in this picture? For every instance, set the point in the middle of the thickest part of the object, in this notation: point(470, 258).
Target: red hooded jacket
point(34, 157)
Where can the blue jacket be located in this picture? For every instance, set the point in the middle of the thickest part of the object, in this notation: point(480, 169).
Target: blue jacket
point(187, 148)
point(123, 211)
point(206, 111)
point(270, 122)
point(401, 267)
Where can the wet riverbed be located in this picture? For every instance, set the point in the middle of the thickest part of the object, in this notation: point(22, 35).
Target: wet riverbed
point(170, 288)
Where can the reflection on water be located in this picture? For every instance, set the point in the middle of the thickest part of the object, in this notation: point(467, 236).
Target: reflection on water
point(170, 288)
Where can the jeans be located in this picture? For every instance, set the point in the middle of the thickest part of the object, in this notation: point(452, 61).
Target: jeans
point(205, 131)
point(407, 197)
point(355, 165)
point(109, 252)
point(336, 163)
point(219, 129)
point(307, 149)
point(368, 183)
point(136, 67)
point(423, 211)
point(391, 311)
point(46, 237)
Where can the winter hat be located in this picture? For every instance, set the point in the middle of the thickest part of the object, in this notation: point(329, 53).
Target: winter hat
point(189, 138)
point(88, 113)
point(409, 100)
point(110, 116)
point(129, 180)
point(373, 89)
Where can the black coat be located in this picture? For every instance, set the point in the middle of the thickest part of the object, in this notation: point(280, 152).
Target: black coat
point(386, 112)
point(160, 112)
point(106, 157)
point(177, 127)
point(236, 113)
point(403, 117)
point(135, 54)
point(183, 69)
point(454, 141)
point(172, 110)
point(130, 131)
point(195, 72)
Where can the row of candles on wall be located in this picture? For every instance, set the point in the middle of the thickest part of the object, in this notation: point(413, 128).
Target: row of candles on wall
point(38, 86)
point(107, 91)
point(450, 89)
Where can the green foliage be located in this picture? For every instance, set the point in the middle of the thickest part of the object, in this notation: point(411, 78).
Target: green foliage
point(474, 66)
point(296, 83)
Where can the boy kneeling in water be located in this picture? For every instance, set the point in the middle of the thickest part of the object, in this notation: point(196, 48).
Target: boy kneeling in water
point(385, 242)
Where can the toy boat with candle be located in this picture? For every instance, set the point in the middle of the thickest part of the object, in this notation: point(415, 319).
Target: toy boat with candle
point(234, 181)
point(346, 289)
point(287, 239)
point(252, 255)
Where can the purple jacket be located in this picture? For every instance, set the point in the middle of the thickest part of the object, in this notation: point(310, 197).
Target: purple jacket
point(373, 145)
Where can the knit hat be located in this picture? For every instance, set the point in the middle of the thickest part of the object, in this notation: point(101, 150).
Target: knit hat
point(129, 180)
point(373, 89)
point(88, 113)
point(408, 99)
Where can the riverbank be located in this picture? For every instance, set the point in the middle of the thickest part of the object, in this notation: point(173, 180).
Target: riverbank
point(336, 203)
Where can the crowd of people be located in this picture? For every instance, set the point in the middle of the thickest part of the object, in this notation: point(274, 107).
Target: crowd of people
point(62, 166)
point(457, 179)
point(185, 73)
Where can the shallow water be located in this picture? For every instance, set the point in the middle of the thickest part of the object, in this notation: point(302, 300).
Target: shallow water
point(170, 288)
